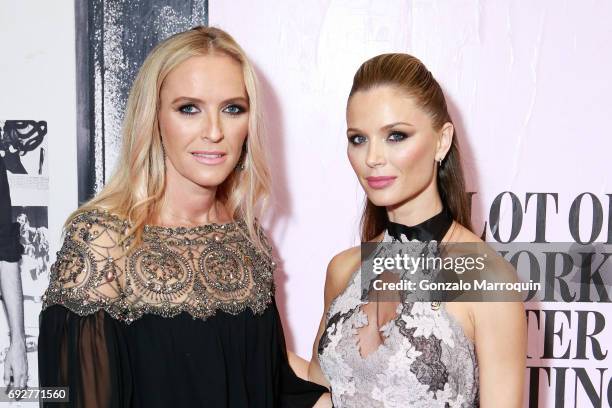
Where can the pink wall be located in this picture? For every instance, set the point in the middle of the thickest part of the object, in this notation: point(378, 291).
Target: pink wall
point(528, 83)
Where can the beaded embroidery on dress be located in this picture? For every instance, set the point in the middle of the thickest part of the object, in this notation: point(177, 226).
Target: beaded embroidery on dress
point(424, 358)
point(195, 269)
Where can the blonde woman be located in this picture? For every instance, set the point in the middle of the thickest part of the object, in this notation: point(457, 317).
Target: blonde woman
point(162, 294)
point(400, 352)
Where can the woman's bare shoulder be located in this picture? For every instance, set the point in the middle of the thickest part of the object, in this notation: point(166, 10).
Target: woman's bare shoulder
point(459, 233)
point(498, 269)
point(340, 270)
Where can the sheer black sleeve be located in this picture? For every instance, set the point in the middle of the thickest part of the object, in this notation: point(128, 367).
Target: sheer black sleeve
point(87, 354)
point(294, 391)
point(80, 346)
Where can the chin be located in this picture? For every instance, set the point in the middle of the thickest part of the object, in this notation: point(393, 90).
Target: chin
point(388, 198)
point(382, 199)
point(212, 181)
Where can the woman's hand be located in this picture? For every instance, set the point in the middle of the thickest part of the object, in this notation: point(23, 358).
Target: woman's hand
point(16, 365)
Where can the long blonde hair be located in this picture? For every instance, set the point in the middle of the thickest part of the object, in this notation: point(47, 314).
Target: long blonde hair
point(408, 74)
point(137, 185)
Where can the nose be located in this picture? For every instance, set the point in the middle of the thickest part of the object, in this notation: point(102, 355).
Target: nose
point(213, 132)
point(375, 155)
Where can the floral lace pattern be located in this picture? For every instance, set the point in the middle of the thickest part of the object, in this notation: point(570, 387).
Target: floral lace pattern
point(424, 360)
point(198, 270)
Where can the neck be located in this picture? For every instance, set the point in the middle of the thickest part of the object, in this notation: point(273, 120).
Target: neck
point(416, 210)
point(186, 203)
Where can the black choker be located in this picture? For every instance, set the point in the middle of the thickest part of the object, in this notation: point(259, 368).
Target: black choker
point(431, 229)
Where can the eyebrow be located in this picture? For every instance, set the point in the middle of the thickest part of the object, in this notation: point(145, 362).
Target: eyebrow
point(386, 127)
point(198, 100)
point(390, 125)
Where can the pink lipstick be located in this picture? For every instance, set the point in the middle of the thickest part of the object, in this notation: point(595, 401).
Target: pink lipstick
point(380, 182)
point(210, 157)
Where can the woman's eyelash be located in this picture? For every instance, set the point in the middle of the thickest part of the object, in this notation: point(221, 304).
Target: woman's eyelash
point(234, 109)
point(356, 139)
point(186, 109)
point(191, 109)
point(393, 137)
point(397, 136)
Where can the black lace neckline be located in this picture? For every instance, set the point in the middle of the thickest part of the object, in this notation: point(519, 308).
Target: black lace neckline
point(432, 229)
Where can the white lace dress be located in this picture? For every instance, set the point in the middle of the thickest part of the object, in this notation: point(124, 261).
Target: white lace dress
point(424, 360)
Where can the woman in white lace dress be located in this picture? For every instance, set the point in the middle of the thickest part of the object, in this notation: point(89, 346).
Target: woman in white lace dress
point(403, 149)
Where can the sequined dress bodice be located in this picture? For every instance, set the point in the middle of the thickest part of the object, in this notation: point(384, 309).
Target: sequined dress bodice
point(198, 270)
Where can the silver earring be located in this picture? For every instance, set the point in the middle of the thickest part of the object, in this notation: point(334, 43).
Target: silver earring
point(240, 164)
point(440, 162)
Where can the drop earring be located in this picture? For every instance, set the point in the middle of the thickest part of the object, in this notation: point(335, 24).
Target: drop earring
point(241, 160)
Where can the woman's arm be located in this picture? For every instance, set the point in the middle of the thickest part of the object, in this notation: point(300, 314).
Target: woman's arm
point(301, 367)
point(80, 346)
point(15, 363)
point(339, 272)
point(315, 374)
point(298, 365)
point(501, 347)
point(324, 402)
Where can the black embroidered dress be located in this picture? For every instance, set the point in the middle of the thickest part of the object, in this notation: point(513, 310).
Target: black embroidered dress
point(187, 319)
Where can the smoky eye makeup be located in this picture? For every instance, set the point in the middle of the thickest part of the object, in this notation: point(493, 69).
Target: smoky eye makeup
point(188, 109)
point(356, 139)
point(397, 136)
point(235, 109)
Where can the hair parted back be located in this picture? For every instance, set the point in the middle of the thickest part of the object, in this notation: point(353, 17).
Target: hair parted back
point(136, 188)
point(409, 75)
